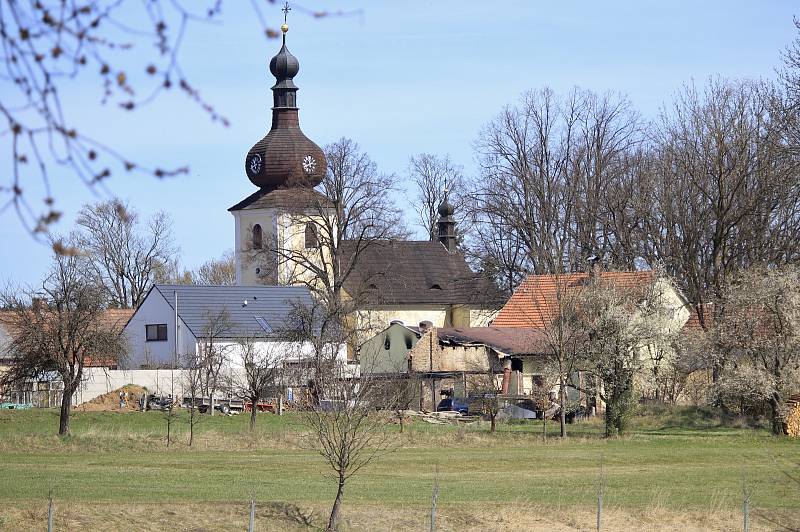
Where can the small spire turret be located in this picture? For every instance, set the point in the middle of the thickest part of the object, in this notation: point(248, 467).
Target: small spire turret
point(447, 223)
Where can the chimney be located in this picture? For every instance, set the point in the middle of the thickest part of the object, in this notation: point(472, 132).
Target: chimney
point(37, 303)
point(425, 326)
point(595, 266)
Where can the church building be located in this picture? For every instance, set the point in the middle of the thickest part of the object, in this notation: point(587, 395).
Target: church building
point(278, 241)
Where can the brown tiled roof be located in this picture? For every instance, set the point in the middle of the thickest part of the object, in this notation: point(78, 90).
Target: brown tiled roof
point(693, 323)
point(113, 319)
point(292, 198)
point(402, 272)
point(506, 340)
point(535, 302)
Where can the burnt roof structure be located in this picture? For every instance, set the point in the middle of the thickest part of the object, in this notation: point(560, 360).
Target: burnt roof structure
point(285, 157)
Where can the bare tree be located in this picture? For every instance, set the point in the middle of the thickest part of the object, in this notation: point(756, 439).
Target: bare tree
point(434, 177)
point(221, 271)
point(124, 258)
point(341, 408)
point(718, 191)
point(214, 352)
point(562, 335)
point(546, 172)
point(192, 384)
point(759, 332)
point(486, 387)
point(46, 46)
point(59, 328)
point(261, 373)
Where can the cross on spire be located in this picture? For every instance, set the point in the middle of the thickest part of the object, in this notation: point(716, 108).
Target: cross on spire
point(285, 10)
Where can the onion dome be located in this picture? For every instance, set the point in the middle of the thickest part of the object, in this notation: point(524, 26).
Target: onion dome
point(445, 208)
point(285, 157)
point(447, 224)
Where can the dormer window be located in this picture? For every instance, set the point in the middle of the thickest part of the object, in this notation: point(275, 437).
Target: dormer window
point(436, 287)
point(311, 236)
point(257, 237)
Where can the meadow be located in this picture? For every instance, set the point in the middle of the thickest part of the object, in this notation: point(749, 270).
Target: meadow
point(682, 468)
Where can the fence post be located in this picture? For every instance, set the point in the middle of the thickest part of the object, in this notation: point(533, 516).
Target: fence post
point(252, 515)
point(50, 511)
point(434, 499)
point(600, 486)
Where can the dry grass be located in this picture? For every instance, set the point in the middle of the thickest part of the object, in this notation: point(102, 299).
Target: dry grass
point(282, 516)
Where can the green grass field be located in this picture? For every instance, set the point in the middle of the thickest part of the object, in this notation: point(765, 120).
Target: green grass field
point(681, 468)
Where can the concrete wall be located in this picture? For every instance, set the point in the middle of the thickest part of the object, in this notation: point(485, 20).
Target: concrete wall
point(98, 381)
point(155, 310)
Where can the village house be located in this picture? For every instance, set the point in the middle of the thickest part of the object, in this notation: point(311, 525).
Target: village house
point(46, 391)
point(178, 321)
point(516, 346)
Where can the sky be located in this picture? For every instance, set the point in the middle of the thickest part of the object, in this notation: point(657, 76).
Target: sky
point(398, 77)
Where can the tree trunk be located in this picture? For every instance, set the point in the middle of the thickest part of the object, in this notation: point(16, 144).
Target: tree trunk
point(401, 416)
point(333, 521)
point(66, 408)
point(777, 421)
point(562, 394)
point(494, 425)
point(191, 426)
point(253, 412)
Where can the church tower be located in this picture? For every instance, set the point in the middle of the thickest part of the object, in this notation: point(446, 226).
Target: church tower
point(279, 223)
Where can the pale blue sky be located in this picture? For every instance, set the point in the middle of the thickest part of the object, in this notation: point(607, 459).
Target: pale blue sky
point(400, 79)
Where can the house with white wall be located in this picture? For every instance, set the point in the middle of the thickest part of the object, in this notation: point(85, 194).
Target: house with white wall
point(174, 321)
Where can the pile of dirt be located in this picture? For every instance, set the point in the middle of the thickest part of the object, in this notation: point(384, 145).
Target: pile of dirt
point(109, 402)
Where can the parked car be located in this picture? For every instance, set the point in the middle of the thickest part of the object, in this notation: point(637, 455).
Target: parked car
point(453, 404)
point(159, 402)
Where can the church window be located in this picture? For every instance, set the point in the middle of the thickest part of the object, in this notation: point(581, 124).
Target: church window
point(311, 235)
point(257, 238)
point(387, 343)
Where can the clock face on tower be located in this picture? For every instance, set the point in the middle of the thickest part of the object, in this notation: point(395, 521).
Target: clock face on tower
point(309, 164)
point(254, 165)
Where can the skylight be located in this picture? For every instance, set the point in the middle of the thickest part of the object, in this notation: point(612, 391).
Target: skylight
point(263, 324)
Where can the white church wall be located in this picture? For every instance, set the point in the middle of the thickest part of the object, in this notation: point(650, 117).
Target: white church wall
point(375, 320)
point(245, 262)
point(155, 310)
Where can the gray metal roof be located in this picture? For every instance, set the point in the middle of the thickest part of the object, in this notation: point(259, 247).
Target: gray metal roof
point(272, 303)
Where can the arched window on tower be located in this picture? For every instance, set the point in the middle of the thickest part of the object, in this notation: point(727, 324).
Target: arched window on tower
point(257, 239)
point(311, 235)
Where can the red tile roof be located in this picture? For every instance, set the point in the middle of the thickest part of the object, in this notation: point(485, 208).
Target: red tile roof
point(693, 323)
point(535, 302)
point(114, 319)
